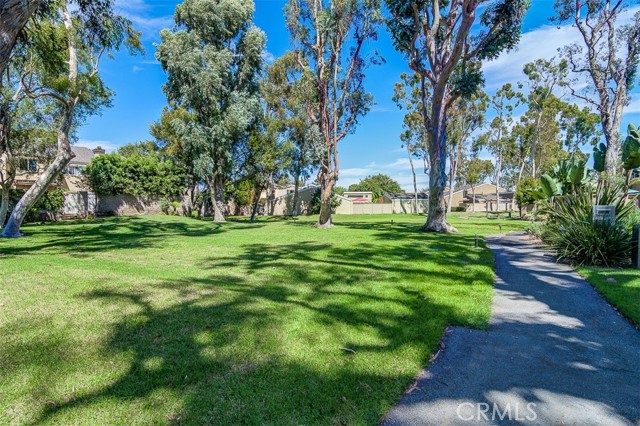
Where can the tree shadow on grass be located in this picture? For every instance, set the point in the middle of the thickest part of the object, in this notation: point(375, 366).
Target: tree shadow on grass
point(305, 333)
point(80, 238)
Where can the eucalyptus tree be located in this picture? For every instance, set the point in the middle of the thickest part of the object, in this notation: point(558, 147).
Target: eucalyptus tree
point(285, 92)
point(213, 60)
point(171, 146)
point(15, 15)
point(407, 95)
point(544, 79)
point(581, 128)
point(467, 117)
point(63, 61)
point(608, 55)
point(436, 38)
point(496, 140)
point(330, 38)
point(475, 171)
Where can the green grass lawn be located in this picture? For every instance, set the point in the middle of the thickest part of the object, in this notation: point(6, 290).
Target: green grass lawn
point(624, 294)
point(159, 320)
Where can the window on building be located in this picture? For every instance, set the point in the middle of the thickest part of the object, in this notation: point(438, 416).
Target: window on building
point(74, 170)
point(29, 165)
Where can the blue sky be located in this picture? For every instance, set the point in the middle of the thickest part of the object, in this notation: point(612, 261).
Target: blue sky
point(374, 148)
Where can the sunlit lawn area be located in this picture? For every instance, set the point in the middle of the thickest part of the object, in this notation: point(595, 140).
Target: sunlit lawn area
point(159, 320)
point(624, 293)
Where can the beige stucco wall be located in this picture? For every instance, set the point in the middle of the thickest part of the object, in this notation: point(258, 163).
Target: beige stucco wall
point(283, 206)
point(128, 205)
point(409, 207)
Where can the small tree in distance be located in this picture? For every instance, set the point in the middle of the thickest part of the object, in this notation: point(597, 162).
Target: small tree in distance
point(474, 172)
point(436, 39)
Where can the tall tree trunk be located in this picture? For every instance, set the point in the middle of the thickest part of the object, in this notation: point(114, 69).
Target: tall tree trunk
point(612, 136)
point(327, 183)
point(64, 154)
point(256, 204)
point(498, 167)
point(296, 193)
point(4, 205)
point(453, 173)
point(473, 200)
point(14, 15)
point(520, 174)
point(437, 220)
point(40, 187)
point(415, 179)
point(216, 188)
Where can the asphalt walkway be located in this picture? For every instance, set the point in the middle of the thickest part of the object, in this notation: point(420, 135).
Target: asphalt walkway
point(555, 354)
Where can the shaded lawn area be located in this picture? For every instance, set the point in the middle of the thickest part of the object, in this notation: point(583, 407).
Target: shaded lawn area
point(159, 320)
point(624, 294)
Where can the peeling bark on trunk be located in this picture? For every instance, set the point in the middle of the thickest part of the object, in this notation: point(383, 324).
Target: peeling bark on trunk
point(437, 220)
point(327, 185)
point(453, 173)
point(216, 189)
point(14, 15)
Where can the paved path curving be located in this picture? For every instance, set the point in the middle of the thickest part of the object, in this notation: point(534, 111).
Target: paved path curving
point(553, 342)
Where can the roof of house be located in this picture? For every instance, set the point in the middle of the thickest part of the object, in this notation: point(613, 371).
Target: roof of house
point(360, 200)
point(83, 155)
point(358, 192)
point(407, 196)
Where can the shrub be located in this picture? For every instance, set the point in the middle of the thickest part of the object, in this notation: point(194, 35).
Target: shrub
point(314, 204)
point(149, 176)
point(593, 243)
point(459, 209)
point(524, 192)
point(170, 208)
point(579, 238)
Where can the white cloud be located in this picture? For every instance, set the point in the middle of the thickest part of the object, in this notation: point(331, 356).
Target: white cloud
point(136, 69)
point(268, 57)
point(399, 170)
point(138, 11)
point(543, 42)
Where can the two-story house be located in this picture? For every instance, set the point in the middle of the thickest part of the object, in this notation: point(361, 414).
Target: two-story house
point(79, 202)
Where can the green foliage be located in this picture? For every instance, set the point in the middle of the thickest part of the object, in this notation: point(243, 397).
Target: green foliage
point(569, 176)
point(316, 202)
point(139, 149)
point(580, 239)
point(379, 184)
point(475, 171)
point(170, 208)
point(499, 30)
point(631, 149)
point(213, 59)
point(524, 192)
point(599, 157)
point(136, 175)
point(51, 201)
